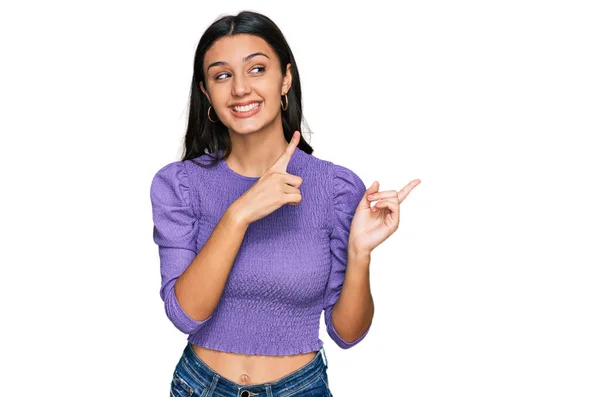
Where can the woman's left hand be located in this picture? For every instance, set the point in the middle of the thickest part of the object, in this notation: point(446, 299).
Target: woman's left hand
point(373, 225)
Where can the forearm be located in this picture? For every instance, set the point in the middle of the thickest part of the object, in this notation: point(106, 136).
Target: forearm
point(353, 312)
point(200, 286)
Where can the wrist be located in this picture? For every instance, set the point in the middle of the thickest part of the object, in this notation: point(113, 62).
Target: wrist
point(236, 215)
point(356, 250)
point(358, 255)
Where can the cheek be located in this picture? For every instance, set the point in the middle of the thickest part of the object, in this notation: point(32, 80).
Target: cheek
point(220, 95)
point(272, 96)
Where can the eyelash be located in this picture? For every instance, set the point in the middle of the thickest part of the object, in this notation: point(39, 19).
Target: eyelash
point(221, 74)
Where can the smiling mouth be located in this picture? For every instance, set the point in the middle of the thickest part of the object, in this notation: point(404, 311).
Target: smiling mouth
point(246, 108)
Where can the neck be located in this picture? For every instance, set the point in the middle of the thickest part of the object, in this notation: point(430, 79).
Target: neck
point(253, 152)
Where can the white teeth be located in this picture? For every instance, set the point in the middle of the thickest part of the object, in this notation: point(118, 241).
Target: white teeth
point(247, 107)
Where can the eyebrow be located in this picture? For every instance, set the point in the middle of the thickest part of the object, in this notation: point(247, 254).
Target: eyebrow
point(245, 59)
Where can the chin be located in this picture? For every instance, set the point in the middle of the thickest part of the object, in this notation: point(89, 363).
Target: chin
point(248, 127)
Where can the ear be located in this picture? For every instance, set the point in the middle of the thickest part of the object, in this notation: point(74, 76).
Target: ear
point(204, 91)
point(287, 79)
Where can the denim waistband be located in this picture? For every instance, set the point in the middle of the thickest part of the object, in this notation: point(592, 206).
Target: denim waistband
point(303, 375)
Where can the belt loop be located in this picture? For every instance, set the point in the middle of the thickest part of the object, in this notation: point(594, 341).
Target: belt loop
point(324, 356)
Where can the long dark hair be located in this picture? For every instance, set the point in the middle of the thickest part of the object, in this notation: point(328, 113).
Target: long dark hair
point(203, 136)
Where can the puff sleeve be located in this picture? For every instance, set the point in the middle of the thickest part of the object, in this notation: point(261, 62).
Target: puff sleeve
point(175, 232)
point(348, 190)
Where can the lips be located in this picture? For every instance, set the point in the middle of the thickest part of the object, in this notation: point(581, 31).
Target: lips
point(251, 105)
point(244, 103)
point(248, 113)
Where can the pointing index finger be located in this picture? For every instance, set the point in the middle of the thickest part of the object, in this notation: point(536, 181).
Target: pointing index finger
point(407, 189)
point(282, 162)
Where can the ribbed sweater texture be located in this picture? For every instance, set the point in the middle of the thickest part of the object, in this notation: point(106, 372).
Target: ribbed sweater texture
point(290, 266)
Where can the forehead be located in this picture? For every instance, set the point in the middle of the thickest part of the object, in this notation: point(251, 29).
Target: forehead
point(232, 49)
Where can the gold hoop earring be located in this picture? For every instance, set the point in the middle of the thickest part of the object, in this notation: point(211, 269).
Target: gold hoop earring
point(214, 121)
point(286, 103)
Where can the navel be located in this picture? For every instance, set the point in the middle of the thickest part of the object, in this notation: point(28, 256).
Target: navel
point(244, 379)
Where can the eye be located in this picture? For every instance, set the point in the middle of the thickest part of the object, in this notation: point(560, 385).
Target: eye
point(218, 77)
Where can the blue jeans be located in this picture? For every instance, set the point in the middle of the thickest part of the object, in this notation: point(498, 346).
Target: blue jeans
point(194, 378)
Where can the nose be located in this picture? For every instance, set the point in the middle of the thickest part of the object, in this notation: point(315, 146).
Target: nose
point(240, 86)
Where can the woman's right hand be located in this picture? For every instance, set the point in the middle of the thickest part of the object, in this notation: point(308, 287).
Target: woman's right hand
point(274, 188)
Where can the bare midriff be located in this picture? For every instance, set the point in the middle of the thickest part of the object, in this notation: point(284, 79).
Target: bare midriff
point(247, 370)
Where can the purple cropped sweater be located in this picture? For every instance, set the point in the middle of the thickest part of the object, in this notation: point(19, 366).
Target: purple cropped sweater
point(289, 268)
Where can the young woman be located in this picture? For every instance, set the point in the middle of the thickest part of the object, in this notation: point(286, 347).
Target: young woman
point(256, 236)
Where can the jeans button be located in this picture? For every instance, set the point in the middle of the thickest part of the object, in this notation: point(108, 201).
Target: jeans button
point(245, 393)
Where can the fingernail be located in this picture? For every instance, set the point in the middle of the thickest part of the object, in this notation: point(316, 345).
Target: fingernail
point(370, 197)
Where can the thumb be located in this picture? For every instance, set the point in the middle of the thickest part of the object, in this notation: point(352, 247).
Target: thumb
point(364, 202)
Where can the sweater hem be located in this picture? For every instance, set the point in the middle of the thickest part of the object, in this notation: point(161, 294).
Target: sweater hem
point(260, 350)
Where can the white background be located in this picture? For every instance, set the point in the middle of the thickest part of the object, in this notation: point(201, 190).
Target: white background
point(490, 286)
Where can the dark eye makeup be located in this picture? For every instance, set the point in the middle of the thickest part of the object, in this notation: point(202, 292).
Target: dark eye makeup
point(217, 77)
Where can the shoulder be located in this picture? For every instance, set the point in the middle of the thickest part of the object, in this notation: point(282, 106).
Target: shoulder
point(170, 183)
point(342, 179)
point(344, 186)
point(345, 189)
point(180, 178)
point(310, 163)
point(348, 189)
point(174, 172)
point(345, 178)
point(335, 170)
point(178, 172)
